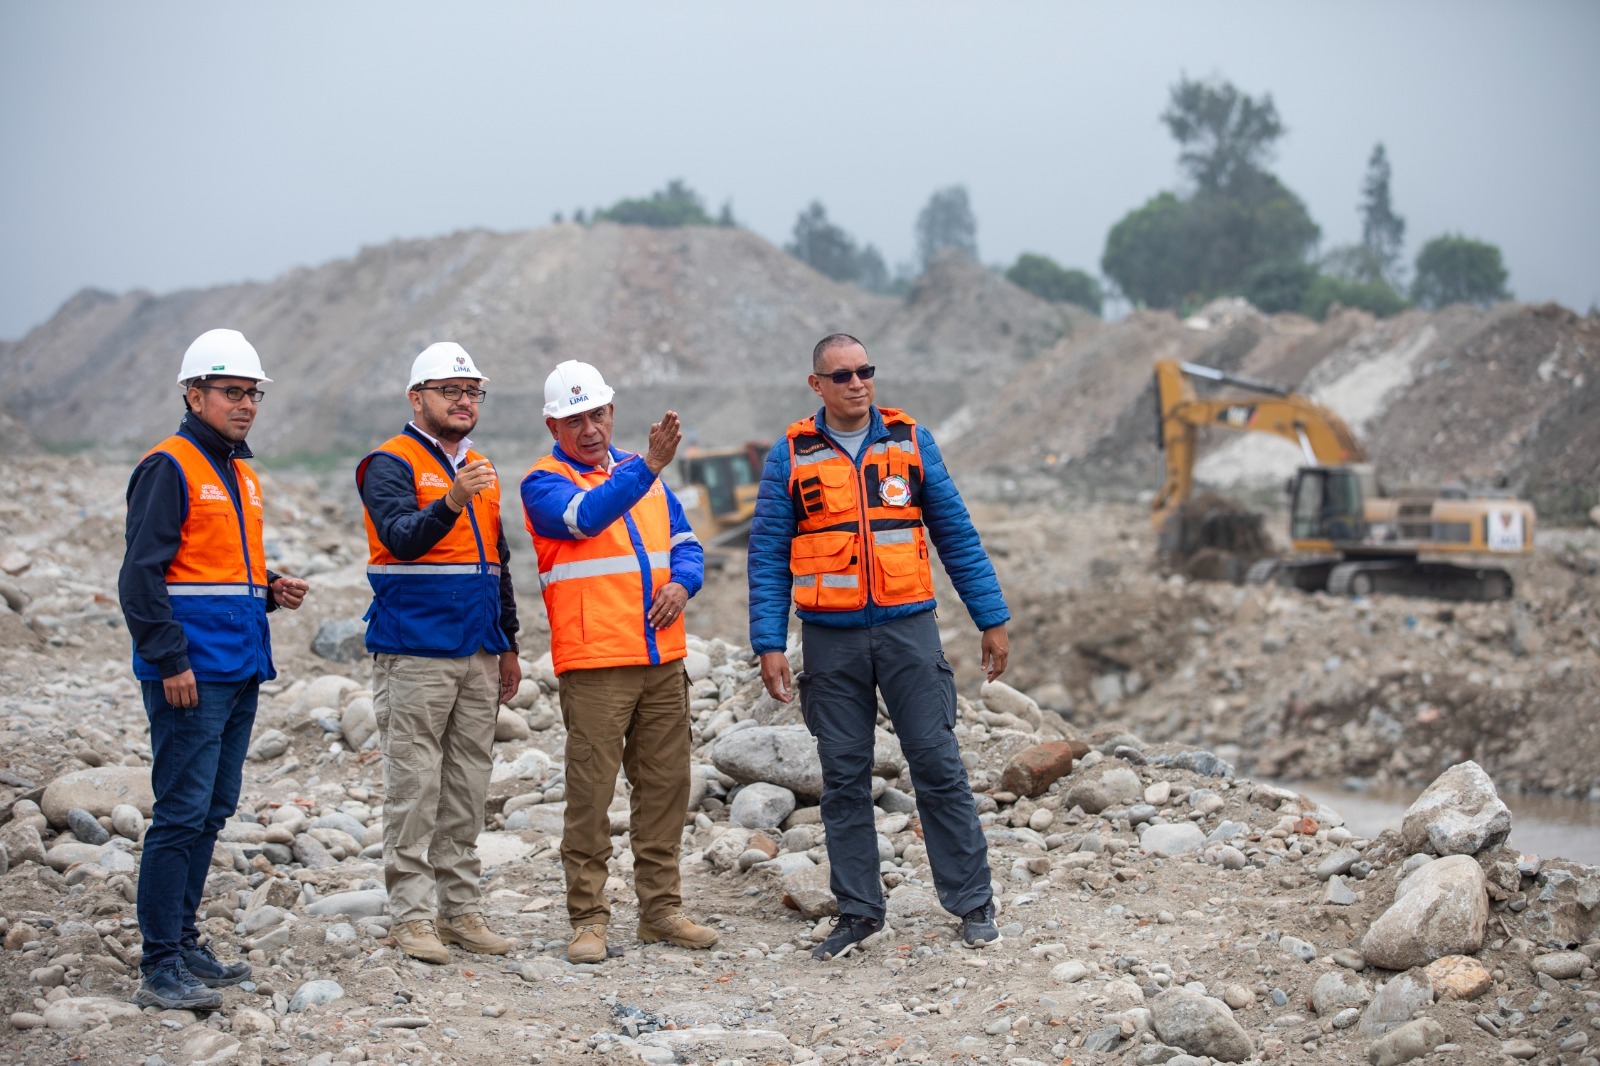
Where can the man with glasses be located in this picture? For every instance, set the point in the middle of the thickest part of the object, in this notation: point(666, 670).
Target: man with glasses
point(849, 501)
point(195, 590)
point(442, 631)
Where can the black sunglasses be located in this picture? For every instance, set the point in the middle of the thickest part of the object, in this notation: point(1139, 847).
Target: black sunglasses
point(842, 377)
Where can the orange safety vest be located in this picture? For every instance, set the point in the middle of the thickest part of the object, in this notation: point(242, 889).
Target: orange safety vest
point(598, 590)
point(217, 581)
point(445, 604)
point(834, 503)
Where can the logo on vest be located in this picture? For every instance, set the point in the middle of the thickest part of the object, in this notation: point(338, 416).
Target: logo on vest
point(430, 480)
point(213, 492)
point(255, 493)
point(894, 491)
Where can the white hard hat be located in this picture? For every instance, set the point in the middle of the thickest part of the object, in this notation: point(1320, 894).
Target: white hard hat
point(446, 359)
point(573, 388)
point(221, 353)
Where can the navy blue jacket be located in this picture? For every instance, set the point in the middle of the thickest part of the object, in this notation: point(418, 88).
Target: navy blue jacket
point(945, 515)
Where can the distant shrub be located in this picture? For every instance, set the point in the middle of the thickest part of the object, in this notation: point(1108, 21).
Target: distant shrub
point(1280, 285)
point(1374, 296)
point(1455, 269)
point(676, 205)
point(1049, 280)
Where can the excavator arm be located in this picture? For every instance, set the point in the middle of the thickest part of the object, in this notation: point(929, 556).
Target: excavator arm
point(1322, 435)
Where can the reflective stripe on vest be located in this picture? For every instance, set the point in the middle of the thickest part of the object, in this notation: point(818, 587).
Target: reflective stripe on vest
point(217, 580)
point(445, 604)
point(598, 589)
point(835, 502)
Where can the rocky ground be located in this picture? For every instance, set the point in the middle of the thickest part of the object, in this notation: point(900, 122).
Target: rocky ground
point(1156, 903)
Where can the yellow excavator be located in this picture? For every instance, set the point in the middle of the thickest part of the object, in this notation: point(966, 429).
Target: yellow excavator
point(718, 491)
point(1349, 535)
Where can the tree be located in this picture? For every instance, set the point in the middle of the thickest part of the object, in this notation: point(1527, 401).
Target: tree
point(1374, 296)
point(946, 222)
point(828, 249)
point(1049, 280)
point(1279, 285)
point(1148, 253)
point(1383, 233)
point(676, 205)
point(1224, 134)
point(1455, 269)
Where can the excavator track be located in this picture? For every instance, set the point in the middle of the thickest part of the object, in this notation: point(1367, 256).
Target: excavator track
point(1407, 577)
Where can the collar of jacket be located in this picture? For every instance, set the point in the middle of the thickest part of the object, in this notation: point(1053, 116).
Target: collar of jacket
point(875, 426)
point(433, 449)
point(617, 456)
point(211, 442)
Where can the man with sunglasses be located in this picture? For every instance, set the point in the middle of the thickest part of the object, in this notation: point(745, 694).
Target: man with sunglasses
point(195, 590)
point(442, 631)
point(849, 501)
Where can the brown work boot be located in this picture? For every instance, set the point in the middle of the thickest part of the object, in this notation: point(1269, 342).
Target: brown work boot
point(588, 943)
point(420, 940)
point(677, 929)
point(472, 932)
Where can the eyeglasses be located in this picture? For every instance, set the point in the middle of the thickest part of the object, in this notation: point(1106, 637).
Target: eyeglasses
point(842, 377)
point(233, 392)
point(455, 392)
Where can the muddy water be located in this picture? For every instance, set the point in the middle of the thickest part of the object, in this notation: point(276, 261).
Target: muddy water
point(1540, 825)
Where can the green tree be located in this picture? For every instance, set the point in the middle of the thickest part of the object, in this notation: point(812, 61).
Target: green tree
point(1224, 135)
point(1149, 255)
point(676, 205)
point(822, 245)
point(1374, 296)
point(1383, 233)
point(1279, 285)
point(946, 221)
point(1049, 280)
point(1454, 269)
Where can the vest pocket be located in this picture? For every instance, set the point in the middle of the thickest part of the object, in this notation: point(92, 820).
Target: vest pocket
point(827, 570)
point(900, 571)
point(838, 487)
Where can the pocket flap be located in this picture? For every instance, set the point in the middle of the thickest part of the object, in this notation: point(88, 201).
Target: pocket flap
point(821, 553)
point(898, 563)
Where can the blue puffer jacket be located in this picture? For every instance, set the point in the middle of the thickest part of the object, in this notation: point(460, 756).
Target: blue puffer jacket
point(949, 527)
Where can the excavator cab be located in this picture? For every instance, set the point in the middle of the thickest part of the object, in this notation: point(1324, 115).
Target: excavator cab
point(1328, 503)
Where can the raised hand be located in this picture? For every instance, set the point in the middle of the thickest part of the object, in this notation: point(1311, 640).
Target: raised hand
point(665, 436)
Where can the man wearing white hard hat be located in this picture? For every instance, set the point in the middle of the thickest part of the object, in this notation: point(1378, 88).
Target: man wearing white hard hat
point(195, 591)
point(617, 563)
point(442, 630)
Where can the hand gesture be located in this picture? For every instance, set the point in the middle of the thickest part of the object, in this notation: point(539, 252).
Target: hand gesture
point(665, 437)
point(470, 480)
point(289, 592)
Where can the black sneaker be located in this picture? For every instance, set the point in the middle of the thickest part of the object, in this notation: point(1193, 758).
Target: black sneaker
point(977, 927)
point(848, 931)
point(211, 971)
point(171, 986)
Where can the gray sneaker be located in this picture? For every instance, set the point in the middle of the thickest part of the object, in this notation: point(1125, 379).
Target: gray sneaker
point(977, 927)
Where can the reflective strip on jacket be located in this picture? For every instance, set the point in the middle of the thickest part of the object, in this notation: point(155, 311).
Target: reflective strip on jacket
point(598, 588)
point(217, 581)
point(857, 528)
point(446, 603)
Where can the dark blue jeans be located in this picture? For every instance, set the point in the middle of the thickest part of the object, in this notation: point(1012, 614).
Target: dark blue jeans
point(902, 659)
point(198, 755)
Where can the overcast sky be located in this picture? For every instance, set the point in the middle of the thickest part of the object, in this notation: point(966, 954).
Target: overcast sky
point(168, 145)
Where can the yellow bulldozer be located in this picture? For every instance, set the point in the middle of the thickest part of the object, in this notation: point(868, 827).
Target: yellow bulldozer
point(1350, 535)
point(717, 488)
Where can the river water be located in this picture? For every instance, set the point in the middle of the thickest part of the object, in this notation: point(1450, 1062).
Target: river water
point(1540, 825)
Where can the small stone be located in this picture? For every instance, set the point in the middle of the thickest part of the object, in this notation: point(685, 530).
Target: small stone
point(1458, 814)
point(343, 640)
point(269, 745)
point(26, 1020)
point(1338, 990)
point(1349, 959)
point(127, 821)
point(1033, 770)
point(1200, 1025)
point(1459, 977)
point(1105, 785)
point(1410, 1041)
point(510, 725)
point(315, 994)
point(1177, 838)
point(1561, 965)
point(86, 827)
point(1069, 972)
point(762, 805)
point(1300, 949)
point(1519, 1049)
point(1238, 997)
point(1157, 793)
point(1337, 863)
point(1396, 1002)
point(1338, 893)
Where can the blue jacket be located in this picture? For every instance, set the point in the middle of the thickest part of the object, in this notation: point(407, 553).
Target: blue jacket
point(949, 527)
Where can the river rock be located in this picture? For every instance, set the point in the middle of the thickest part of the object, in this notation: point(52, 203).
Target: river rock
point(1459, 814)
point(22, 842)
point(509, 725)
point(363, 903)
point(762, 805)
point(315, 994)
point(908, 902)
point(807, 891)
point(97, 790)
point(327, 691)
point(1562, 965)
point(86, 827)
point(343, 640)
point(269, 745)
point(1003, 699)
point(1200, 1025)
point(1442, 909)
point(780, 755)
point(1410, 1041)
point(1396, 1002)
point(1033, 770)
point(1103, 786)
point(127, 821)
point(85, 1012)
point(1336, 990)
point(310, 852)
point(711, 1043)
point(358, 722)
point(1459, 977)
point(68, 854)
point(1176, 838)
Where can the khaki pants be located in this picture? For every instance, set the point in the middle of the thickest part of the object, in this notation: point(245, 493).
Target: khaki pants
point(436, 720)
point(636, 717)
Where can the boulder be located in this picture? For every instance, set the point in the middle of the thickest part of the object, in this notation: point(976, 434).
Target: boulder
point(1103, 785)
point(1561, 965)
point(1176, 838)
point(269, 745)
point(22, 842)
point(712, 1043)
point(908, 902)
point(1441, 909)
point(97, 791)
point(1396, 1002)
point(1200, 1025)
point(363, 903)
point(343, 640)
point(1459, 814)
point(509, 725)
point(1410, 1041)
point(1003, 699)
point(1033, 770)
point(807, 891)
point(1338, 989)
point(780, 755)
point(315, 994)
point(762, 805)
point(85, 1012)
point(1459, 977)
point(358, 722)
point(327, 691)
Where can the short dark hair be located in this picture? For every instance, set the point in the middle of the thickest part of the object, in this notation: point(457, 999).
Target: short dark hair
point(828, 344)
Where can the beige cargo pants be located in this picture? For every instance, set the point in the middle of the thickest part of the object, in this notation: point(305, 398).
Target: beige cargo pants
point(635, 717)
point(436, 722)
